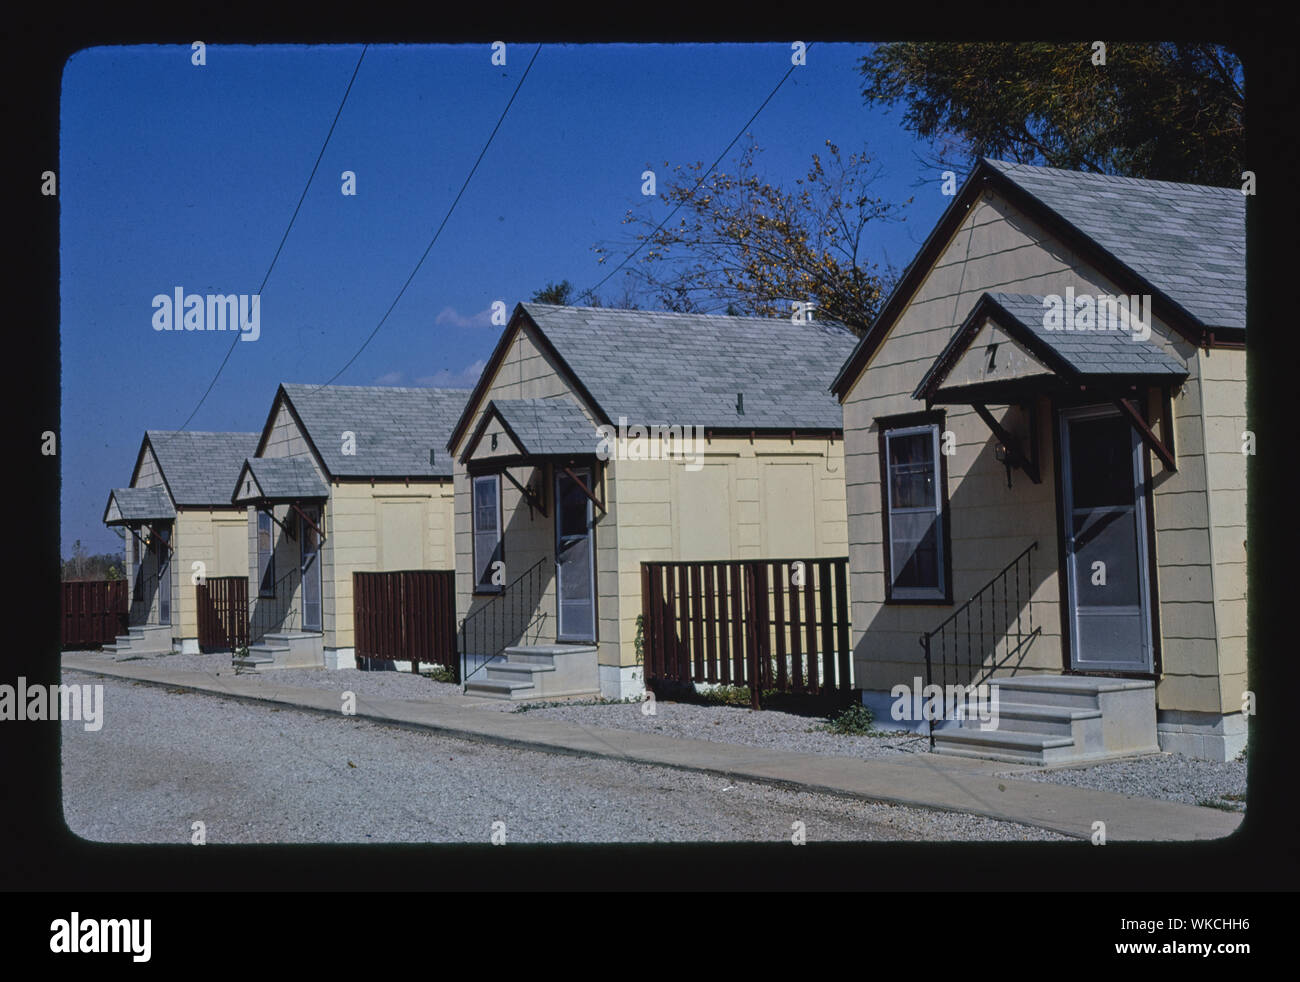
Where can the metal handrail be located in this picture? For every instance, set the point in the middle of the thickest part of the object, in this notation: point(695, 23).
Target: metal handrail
point(1024, 632)
point(501, 607)
point(260, 624)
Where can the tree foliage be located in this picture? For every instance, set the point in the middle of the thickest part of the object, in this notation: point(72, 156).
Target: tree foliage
point(1168, 111)
point(82, 566)
point(740, 243)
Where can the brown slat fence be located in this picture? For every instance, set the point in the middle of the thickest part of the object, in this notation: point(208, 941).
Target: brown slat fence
point(729, 622)
point(406, 616)
point(222, 603)
point(94, 612)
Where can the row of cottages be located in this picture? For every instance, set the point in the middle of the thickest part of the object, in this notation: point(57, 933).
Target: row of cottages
point(1051, 494)
point(560, 497)
point(180, 527)
point(343, 479)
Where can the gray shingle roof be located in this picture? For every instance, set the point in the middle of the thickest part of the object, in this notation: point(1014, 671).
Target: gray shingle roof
point(281, 478)
point(1090, 352)
point(395, 427)
point(200, 467)
point(686, 369)
point(142, 504)
point(1187, 240)
point(547, 426)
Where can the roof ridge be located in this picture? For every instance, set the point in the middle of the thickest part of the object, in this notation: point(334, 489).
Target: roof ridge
point(1007, 166)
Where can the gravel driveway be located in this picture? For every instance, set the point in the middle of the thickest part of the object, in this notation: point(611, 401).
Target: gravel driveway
point(166, 758)
point(768, 728)
point(1172, 777)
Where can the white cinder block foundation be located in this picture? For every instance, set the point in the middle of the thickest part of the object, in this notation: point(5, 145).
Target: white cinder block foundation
point(625, 682)
point(1208, 736)
point(186, 646)
point(345, 658)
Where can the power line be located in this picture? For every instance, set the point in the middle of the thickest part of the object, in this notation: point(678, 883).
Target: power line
point(703, 177)
point(445, 219)
point(284, 238)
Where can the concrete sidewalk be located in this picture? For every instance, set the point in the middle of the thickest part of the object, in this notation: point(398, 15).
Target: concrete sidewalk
point(921, 780)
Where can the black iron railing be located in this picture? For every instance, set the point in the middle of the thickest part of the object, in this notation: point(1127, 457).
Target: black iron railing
point(503, 621)
point(982, 635)
point(143, 595)
point(273, 613)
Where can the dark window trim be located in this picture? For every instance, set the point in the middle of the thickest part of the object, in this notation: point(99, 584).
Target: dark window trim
point(262, 592)
point(479, 590)
point(883, 423)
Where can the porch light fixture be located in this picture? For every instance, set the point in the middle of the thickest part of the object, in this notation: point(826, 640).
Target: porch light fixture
point(1000, 452)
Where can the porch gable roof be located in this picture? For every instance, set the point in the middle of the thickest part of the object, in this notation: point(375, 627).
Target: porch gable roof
point(278, 479)
point(128, 506)
point(539, 427)
point(1075, 357)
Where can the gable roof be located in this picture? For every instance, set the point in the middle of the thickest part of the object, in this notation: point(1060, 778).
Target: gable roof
point(687, 369)
point(128, 505)
point(197, 467)
point(540, 427)
point(1187, 240)
point(1076, 356)
point(1184, 244)
point(397, 430)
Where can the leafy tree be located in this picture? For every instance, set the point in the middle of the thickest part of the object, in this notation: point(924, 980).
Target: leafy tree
point(1168, 111)
point(749, 246)
point(563, 294)
point(559, 294)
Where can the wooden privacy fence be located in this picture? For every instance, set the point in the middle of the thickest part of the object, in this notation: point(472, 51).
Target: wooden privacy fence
point(406, 616)
point(222, 603)
point(783, 622)
point(94, 612)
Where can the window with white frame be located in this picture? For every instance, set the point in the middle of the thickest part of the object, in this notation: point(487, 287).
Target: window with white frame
point(487, 531)
point(914, 499)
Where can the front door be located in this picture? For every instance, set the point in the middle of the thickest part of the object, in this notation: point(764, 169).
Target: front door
point(1107, 572)
point(308, 522)
point(574, 558)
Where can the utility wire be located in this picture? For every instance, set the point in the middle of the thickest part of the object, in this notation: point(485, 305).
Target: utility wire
point(703, 177)
point(445, 219)
point(284, 238)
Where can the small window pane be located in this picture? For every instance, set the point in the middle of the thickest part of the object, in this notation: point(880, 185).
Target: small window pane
point(911, 471)
point(487, 532)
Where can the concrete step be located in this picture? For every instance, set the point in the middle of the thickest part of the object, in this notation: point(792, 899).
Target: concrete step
point(1078, 691)
point(143, 639)
point(1049, 719)
point(1020, 748)
point(499, 689)
point(286, 649)
point(511, 671)
point(1044, 720)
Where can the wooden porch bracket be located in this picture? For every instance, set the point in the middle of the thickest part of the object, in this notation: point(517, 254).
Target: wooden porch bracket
point(585, 490)
point(303, 516)
point(530, 495)
point(1015, 457)
point(1153, 442)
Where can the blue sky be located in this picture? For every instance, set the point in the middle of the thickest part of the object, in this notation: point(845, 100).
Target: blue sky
point(172, 175)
